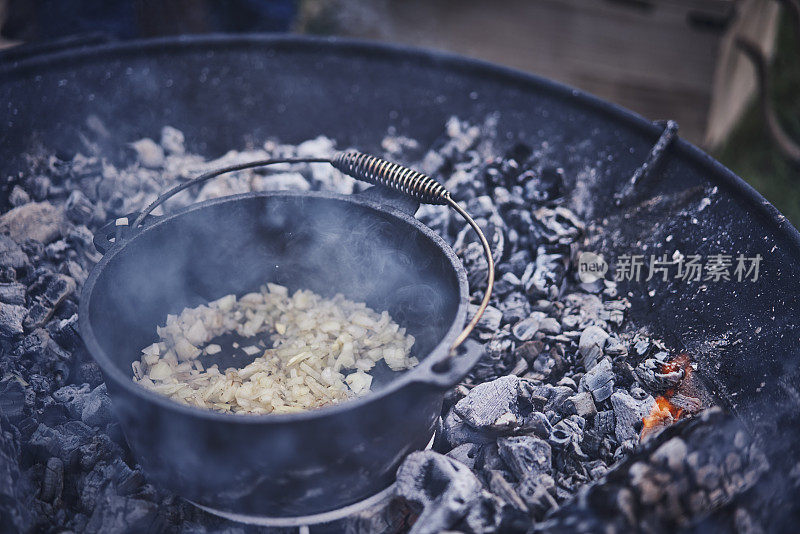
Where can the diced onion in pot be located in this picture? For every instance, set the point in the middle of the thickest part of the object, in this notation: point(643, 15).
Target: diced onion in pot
point(322, 352)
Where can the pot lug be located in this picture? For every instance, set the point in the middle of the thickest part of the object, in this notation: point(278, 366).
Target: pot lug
point(448, 371)
point(113, 231)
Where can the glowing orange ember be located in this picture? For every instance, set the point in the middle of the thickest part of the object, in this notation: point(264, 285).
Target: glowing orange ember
point(664, 413)
point(681, 361)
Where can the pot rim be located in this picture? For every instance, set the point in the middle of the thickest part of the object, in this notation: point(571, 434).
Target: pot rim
point(416, 375)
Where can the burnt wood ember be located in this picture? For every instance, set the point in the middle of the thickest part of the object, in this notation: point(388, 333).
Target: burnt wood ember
point(692, 469)
point(552, 413)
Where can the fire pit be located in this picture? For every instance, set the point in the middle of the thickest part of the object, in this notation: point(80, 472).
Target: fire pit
point(545, 431)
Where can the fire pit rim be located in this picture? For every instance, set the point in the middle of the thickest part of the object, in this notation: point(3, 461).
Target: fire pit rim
point(421, 374)
point(347, 47)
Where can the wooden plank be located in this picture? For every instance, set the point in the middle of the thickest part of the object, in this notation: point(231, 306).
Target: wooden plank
point(660, 58)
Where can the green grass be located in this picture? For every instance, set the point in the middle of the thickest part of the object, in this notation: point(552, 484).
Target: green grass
point(751, 153)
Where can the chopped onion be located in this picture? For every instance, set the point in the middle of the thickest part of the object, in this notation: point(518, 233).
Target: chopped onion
point(316, 342)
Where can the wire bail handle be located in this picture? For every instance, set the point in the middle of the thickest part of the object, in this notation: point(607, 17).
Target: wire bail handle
point(376, 171)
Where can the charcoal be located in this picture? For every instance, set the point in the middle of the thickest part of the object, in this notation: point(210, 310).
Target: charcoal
point(38, 186)
point(51, 413)
point(649, 373)
point(518, 262)
point(592, 342)
point(582, 404)
point(57, 251)
point(548, 325)
point(37, 346)
point(527, 411)
point(547, 366)
point(129, 481)
point(514, 308)
point(67, 309)
point(81, 238)
point(527, 327)
point(536, 492)
point(529, 350)
point(97, 410)
point(37, 316)
point(7, 274)
point(455, 431)
point(537, 424)
point(506, 284)
point(641, 345)
point(59, 287)
point(546, 277)
point(474, 261)
point(149, 153)
point(39, 221)
point(604, 422)
point(628, 414)
point(689, 404)
point(495, 405)
point(12, 399)
point(502, 488)
point(555, 397)
point(90, 373)
point(466, 454)
point(12, 293)
point(481, 207)
point(446, 489)
point(625, 376)
point(525, 455)
point(545, 186)
point(172, 140)
point(15, 488)
point(75, 271)
point(18, 196)
point(118, 514)
point(490, 321)
point(499, 345)
point(34, 250)
point(567, 434)
point(59, 441)
point(558, 225)
point(489, 458)
point(64, 332)
point(11, 319)
point(101, 447)
point(615, 347)
point(53, 480)
point(614, 311)
point(78, 208)
point(596, 469)
point(671, 454)
point(599, 381)
point(595, 286)
point(568, 381)
point(41, 384)
point(520, 368)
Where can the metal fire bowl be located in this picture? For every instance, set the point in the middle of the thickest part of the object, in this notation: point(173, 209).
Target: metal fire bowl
point(226, 91)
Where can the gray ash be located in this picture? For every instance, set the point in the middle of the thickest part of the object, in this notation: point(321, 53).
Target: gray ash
point(544, 428)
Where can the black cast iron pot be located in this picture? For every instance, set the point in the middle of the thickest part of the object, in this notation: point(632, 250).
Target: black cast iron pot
point(289, 464)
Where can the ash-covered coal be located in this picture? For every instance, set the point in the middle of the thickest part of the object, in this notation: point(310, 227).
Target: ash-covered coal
point(556, 403)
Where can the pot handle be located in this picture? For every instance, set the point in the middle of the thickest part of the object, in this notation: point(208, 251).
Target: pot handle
point(376, 171)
